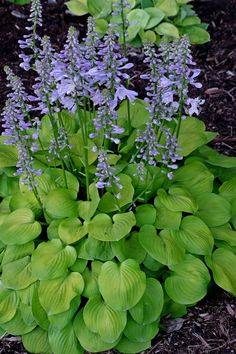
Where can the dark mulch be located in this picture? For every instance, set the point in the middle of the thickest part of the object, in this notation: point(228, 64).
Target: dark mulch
point(209, 327)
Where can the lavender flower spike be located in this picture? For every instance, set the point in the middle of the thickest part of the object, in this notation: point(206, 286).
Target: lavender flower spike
point(105, 174)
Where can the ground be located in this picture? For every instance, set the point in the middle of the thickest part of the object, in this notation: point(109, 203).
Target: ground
point(210, 326)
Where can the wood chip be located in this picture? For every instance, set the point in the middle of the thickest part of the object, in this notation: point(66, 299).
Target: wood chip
point(212, 91)
point(230, 310)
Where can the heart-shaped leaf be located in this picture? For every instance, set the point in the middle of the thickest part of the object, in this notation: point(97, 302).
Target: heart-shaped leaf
point(16, 326)
point(188, 281)
point(122, 285)
point(64, 340)
point(223, 265)
point(167, 29)
point(127, 346)
point(37, 341)
point(71, 230)
point(166, 219)
point(90, 341)
point(214, 210)
point(9, 302)
point(87, 208)
point(228, 190)
point(60, 203)
point(19, 227)
point(145, 215)
point(195, 236)
point(129, 247)
point(102, 228)
point(149, 308)
point(140, 332)
point(178, 199)
point(52, 259)
point(169, 7)
point(14, 252)
point(91, 249)
point(164, 248)
point(62, 319)
point(156, 16)
point(56, 295)
point(102, 319)
point(8, 156)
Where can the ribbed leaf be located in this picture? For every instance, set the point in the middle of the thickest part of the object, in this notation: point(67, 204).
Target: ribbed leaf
point(8, 303)
point(109, 202)
point(102, 228)
point(90, 341)
point(14, 252)
point(8, 156)
point(223, 265)
point(63, 319)
point(166, 219)
point(140, 332)
point(188, 281)
point(102, 319)
point(86, 208)
point(71, 230)
point(64, 340)
point(122, 285)
point(37, 341)
point(19, 227)
point(16, 326)
point(60, 203)
point(214, 210)
point(224, 233)
point(178, 199)
point(38, 311)
point(149, 308)
point(228, 190)
point(56, 295)
point(164, 247)
point(91, 282)
point(195, 236)
point(127, 346)
point(18, 274)
point(51, 259)
point(145, 215)
point(195, 177)
point(129, 247)
point(57, 176)
point(92, 249)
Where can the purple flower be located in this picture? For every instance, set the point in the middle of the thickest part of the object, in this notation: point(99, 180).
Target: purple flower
point(105, 173)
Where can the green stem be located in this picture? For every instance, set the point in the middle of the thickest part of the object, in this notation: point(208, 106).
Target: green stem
point(123, 29)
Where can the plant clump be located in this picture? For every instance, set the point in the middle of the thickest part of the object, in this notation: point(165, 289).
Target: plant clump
point(114, 212)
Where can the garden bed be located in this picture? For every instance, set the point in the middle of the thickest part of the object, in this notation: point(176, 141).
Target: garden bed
point(210, 326)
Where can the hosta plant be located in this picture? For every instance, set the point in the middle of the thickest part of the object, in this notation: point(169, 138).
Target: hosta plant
point(114, 212)
point(142, 21)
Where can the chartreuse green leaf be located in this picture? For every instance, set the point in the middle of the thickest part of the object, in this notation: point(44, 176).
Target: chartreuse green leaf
point(149, 308)
point(213, 157)
point(196, 34)
point(38, 311)
point(167, 29)
point(57, 176)
point(164, 248)
point(224, 233)
point(79, 265)
point(77, 150)
point(138, 113)
point(37, 341)
point(89, 340)
point(121, 285)
point(91, 249)
point(145, 215)
point(8, 156)
point(19, 227)
point(195, 177)
point(109, 202)
point(101, 8)
point(233, 212)
point(9, 302)
point(173, 309)
point(223, 265)
point(129, 247)
point(26, 314)
point(77, 7)
point(195, 236)
point(177, 199)
point(52, 230)
point(102, 228)
point(188, 281)
point(127, 346)
point(61, 203)
point(56, 295)
point(228, 190)
point(140, 332)
point(91, 279)
point(16, 326)
point(100, 318)
point(14, 252)
point(214, 210)
point(166, 219)
point(156, 16)
point(8, 185)
point(71, 230)
point(138, 20)
point(62, 319)
point(87, 208)
point(18, 274)
point(192, 135)
point(52, 259)
point(169, 7)
point(64, 340)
